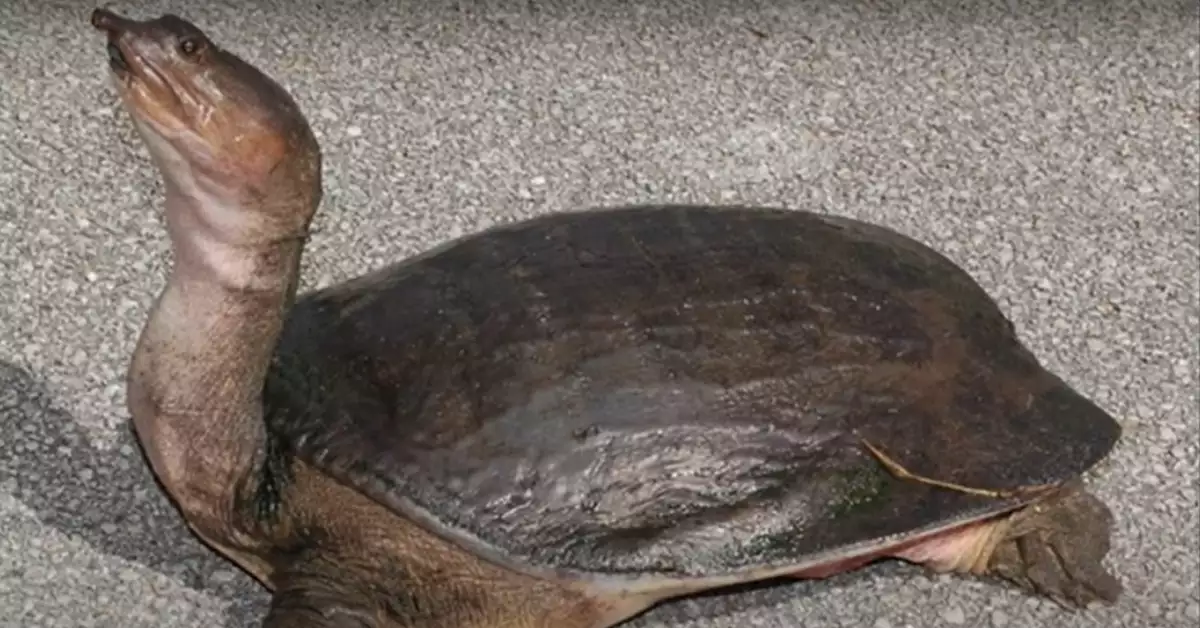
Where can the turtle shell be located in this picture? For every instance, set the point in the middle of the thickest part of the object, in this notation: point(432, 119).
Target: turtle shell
point(673, 391)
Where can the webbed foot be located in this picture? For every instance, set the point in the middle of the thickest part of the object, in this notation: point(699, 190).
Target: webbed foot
point(1056, 548)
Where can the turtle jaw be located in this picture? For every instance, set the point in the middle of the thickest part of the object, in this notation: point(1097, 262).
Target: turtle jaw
point(118, 29)
point(145, 71)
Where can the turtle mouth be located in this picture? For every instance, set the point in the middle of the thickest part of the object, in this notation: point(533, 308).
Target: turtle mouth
point(150, 94)
point(116, 58)
point(114, 26)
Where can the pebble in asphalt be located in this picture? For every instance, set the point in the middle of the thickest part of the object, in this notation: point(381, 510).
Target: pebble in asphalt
point(1049, 148)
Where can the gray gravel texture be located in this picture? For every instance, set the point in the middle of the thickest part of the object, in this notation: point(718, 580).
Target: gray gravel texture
point(1051, 149)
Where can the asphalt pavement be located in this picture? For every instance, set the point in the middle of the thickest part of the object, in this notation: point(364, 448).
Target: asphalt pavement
point(1050, 148)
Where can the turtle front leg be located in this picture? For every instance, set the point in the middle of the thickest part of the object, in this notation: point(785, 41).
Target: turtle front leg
point(297, 612)
point(1054, 547)
point(318, 594)
point(310, 618)
point(304, 601)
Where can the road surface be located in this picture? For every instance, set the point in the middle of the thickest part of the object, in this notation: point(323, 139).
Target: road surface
point(1051, 152)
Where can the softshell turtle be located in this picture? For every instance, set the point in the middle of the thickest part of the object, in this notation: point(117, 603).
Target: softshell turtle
point(563, 421)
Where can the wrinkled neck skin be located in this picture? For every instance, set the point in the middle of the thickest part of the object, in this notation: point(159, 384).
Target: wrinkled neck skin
point(197, 373)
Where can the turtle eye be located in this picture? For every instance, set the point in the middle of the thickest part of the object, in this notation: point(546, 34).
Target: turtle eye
point(189, 46)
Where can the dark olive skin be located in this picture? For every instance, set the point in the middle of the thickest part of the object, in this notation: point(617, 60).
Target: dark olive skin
point(560, 422)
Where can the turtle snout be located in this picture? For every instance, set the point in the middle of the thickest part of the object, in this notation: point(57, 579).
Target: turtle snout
point(110, 22)
point(116, 28)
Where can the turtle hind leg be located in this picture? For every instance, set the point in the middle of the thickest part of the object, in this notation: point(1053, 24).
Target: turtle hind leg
point(1056, 548)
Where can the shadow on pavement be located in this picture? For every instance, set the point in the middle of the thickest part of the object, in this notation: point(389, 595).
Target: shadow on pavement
point(107, 498)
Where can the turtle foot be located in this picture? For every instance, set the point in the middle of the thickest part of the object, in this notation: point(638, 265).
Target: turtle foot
point(1056, 548)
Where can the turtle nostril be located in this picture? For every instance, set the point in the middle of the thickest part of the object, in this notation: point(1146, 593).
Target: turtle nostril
point(99, 18)
point(105, 19)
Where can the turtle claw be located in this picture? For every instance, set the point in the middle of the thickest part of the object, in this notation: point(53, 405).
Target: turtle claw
point(901, 473)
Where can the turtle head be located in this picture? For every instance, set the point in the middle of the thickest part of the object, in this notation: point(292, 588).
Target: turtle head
point(221, 132)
